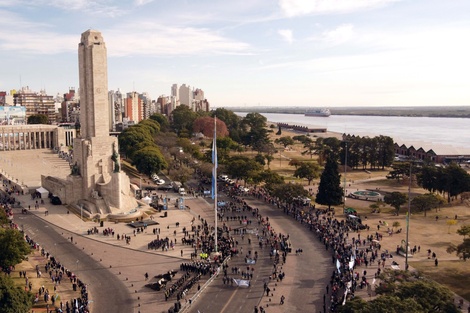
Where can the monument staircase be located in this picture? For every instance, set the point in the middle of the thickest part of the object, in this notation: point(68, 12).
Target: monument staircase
point(102, 205)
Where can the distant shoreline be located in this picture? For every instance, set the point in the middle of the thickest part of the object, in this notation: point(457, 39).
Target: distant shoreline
point(445, 112)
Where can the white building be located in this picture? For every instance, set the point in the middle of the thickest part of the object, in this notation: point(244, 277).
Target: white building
point(186, 95)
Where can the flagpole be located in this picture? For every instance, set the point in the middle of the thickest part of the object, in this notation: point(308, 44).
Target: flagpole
point(214, 177)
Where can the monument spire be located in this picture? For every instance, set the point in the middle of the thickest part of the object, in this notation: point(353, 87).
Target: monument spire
point(93, 71)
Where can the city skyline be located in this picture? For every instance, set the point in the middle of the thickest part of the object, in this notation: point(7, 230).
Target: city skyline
point(261, 52)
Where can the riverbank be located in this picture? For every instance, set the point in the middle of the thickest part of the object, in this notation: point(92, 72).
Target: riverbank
point(438, 111)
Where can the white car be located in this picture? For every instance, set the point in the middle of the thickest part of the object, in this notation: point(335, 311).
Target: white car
point(159, 181)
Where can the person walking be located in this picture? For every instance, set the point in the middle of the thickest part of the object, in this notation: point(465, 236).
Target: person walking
point(282, 299)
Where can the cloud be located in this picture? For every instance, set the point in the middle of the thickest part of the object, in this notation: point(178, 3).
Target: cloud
point(92, 7)
point(142, 2)
point(286, 34)
point(161, 40)
point(340, 34)
point(303, 7)
point(124, 39)
point(33, 36)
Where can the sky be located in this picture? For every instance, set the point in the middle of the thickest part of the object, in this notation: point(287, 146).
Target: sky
point(315, 53)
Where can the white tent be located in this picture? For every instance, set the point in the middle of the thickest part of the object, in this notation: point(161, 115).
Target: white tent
point(44, 192)
point(147, 199)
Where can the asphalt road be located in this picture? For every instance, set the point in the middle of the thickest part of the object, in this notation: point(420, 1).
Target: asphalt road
point(101, 282)
point(311, 272)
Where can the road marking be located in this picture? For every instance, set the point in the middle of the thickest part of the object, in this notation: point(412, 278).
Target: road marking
point(229, 300)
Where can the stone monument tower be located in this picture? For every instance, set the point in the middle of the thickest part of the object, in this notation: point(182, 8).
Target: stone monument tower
point(96, 182)
point(95, 152)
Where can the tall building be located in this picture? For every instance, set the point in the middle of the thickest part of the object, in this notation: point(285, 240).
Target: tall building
point(116, 106)
point(36, 103)
point(134, 107)
point(146, 104)
point(175, 91)
point(70, 107)
point(186, 95)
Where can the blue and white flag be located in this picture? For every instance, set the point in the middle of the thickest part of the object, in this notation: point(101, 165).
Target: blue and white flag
point(214, 162)
point(241, 282)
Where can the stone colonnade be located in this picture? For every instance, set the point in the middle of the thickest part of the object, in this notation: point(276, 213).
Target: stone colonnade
point(28, 137)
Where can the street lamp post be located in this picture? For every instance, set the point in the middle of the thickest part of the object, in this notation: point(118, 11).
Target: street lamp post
point(408, 221)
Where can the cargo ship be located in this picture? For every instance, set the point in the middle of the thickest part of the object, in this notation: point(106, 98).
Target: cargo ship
point(318, 112)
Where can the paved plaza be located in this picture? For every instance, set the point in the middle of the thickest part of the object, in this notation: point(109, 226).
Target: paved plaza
point(130, 261)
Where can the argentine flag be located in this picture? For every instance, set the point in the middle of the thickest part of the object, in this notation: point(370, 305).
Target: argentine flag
point(214, 162)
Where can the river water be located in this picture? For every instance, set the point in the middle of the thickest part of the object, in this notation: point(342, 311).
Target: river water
point(427, 132)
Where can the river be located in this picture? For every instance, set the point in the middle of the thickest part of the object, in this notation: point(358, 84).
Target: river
point(426, 132)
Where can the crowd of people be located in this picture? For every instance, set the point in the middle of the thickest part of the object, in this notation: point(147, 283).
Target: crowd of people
point(348, 251)
point(57, 273)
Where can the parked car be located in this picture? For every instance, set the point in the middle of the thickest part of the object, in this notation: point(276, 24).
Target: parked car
point(165, 187)
point(159, 181)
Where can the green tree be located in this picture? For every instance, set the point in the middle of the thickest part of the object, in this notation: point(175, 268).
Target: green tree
point(240, 167)
point(401, 291)
point(152, 126)
point(396, 200)
point(3, 217)
point(133, 139)
point(303, 139)
point(149, 160)
point(231, 120)
point(38, 119)
point(464, 231)
point(13, 247)
point(270, 178)
point(395, 225)
point(425, 202)
point(224, 145)
point(431, 296)
point(329, 190)
point(285, 141)
point(388, 304)
point(257, 135)
point(13, 299)
point(454, 181)
point(269, 158)
point(161, 120)
point(183, 119)
point(308, 170)
point(399, 171)
point(288, 192)
point(260, 159)
point(295, 163)
point(428, 178)
point(386, 153)
point(463, 249)
point(451, 180)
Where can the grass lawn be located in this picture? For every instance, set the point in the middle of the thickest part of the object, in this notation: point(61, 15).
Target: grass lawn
point(64, 290)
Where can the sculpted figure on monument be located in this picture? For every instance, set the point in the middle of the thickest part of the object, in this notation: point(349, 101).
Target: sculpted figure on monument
point(89, 148)
point(75, 169)
point(115, 158)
